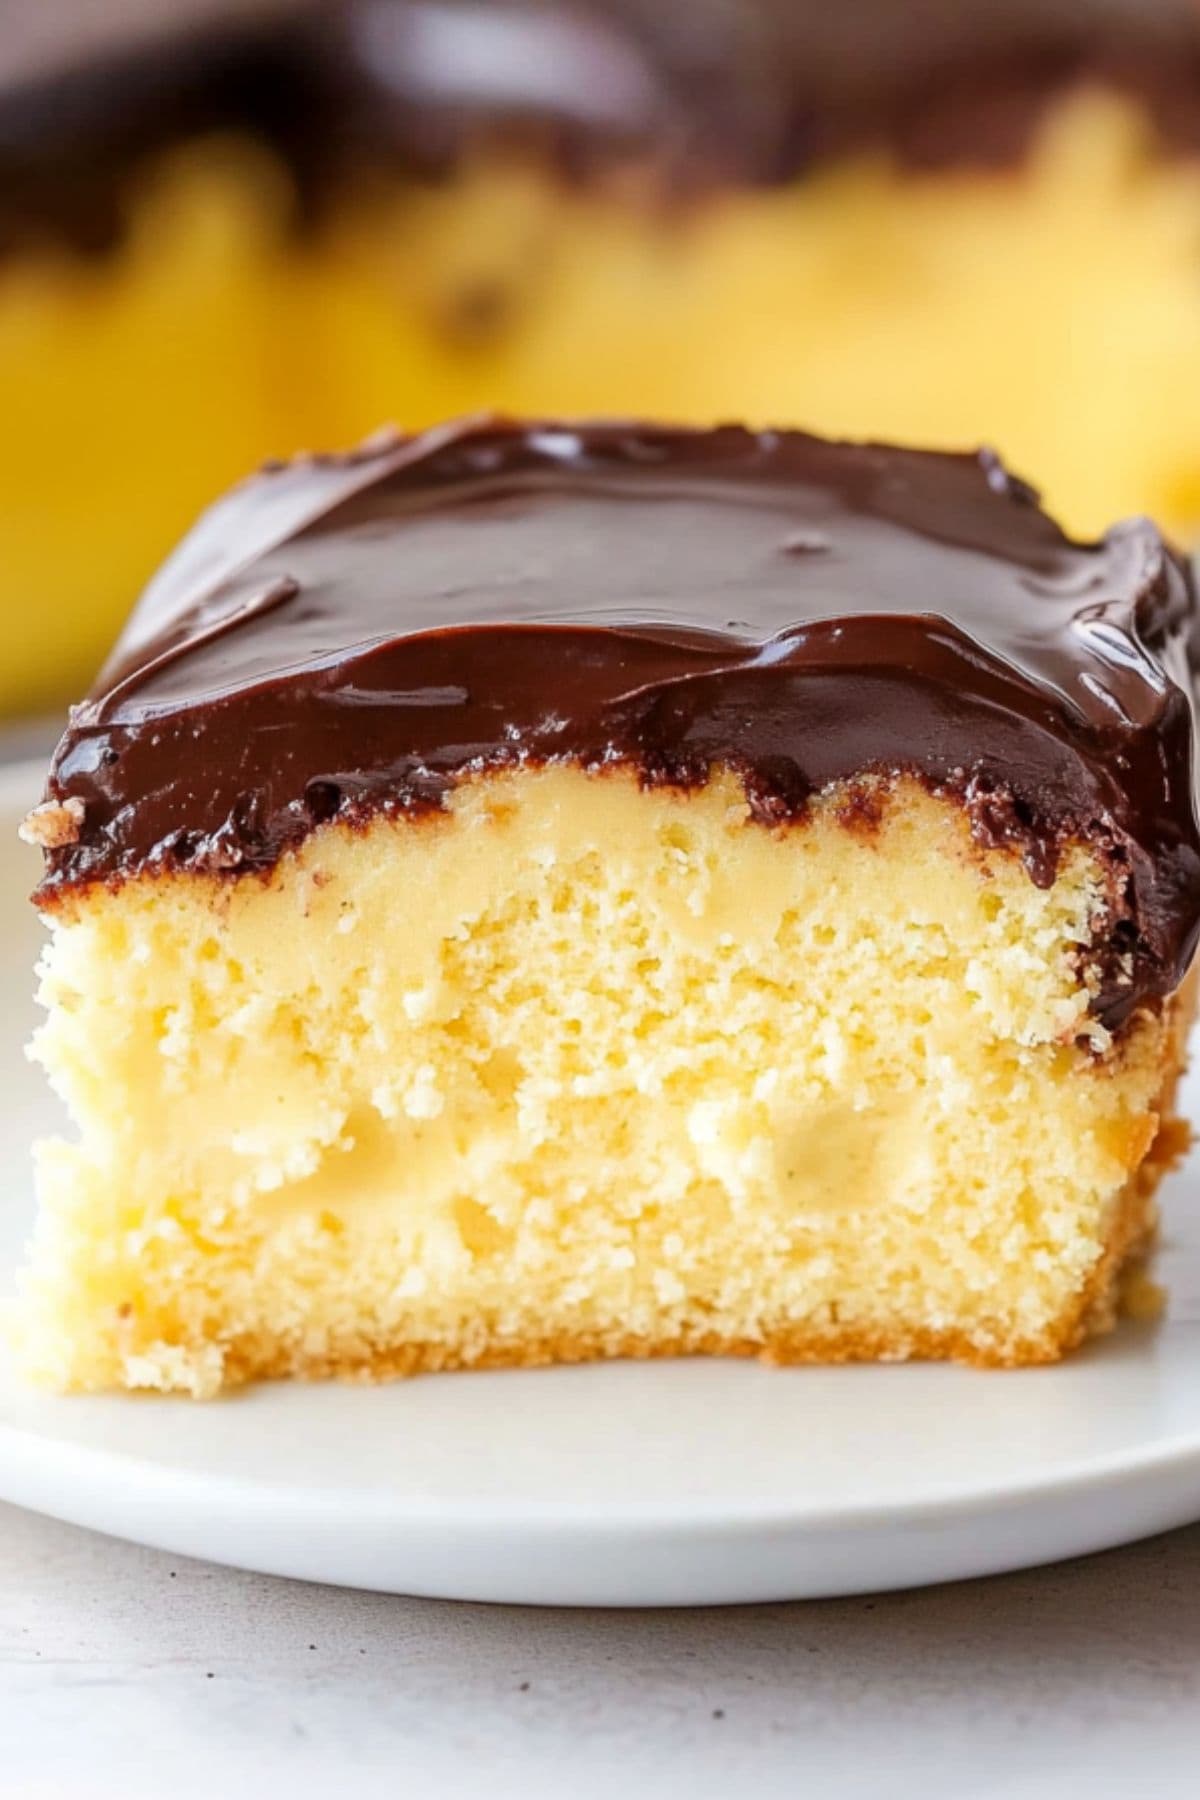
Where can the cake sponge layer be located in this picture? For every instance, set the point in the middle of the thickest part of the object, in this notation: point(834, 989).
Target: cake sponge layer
point(579, 1068)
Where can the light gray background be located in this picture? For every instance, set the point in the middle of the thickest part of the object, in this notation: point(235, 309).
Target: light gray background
point(126, 1674)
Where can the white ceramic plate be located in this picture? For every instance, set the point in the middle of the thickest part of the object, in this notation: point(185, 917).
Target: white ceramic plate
point(663, 1484)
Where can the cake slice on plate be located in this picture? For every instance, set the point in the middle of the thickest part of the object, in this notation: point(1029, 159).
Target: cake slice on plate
point(536, 892)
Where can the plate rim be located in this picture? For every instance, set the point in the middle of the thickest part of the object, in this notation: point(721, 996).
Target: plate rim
point(1175, 1456)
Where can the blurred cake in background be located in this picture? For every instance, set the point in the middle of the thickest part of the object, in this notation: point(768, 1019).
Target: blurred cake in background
point(232, 228)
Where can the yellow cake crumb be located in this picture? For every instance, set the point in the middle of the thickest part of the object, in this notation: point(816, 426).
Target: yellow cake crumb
point(580, 1069)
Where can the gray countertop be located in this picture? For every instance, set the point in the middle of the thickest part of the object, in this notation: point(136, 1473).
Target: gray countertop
point(126, 1674)
point(28, 739)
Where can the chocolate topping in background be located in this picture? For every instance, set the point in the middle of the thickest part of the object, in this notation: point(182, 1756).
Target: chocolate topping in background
point(702, 90)
point(348, 633)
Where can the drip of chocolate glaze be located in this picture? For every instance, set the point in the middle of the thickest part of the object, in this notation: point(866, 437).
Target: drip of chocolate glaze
point(348, 633)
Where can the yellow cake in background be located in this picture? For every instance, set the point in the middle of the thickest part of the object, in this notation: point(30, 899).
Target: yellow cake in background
point(648, 892)
point(252, 227)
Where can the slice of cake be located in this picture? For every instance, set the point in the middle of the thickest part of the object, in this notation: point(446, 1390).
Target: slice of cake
point(529, 893)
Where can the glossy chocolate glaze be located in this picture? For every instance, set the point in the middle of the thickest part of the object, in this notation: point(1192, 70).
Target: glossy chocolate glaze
point(344, 634)
point(707, 91)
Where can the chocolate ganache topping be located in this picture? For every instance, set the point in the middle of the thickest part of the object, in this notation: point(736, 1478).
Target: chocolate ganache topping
point(344, 634)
